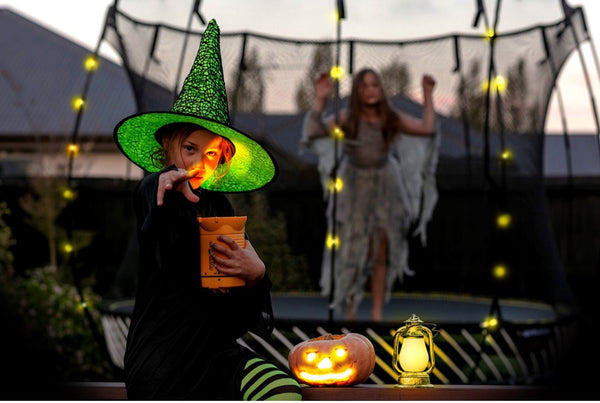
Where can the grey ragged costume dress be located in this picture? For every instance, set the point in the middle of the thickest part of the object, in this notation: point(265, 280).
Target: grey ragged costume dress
point(385, 191)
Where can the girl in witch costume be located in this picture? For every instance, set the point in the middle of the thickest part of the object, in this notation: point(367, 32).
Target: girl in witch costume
point(182, 338)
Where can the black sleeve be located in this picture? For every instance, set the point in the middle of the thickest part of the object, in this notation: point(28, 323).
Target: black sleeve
point(145, 198)
point(262, 325)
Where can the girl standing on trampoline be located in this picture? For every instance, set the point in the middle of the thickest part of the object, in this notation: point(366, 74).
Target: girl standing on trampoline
point(182, 341)
point(373, 209)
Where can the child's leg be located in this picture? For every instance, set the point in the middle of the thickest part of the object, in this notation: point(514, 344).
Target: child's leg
point(262, 380)
point(378, 279)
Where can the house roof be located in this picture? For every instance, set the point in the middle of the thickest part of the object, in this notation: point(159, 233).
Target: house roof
point(40, 73)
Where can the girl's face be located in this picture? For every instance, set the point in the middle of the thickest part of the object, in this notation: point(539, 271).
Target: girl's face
point(199, 152)
point(370, 90)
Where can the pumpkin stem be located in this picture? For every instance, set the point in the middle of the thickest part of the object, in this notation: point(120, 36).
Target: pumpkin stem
point(328, 336)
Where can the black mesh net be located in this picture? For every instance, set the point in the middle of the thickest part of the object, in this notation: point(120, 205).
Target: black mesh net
point(492, 97)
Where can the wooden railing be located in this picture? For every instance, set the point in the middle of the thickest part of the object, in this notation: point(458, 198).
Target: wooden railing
point(525, 354)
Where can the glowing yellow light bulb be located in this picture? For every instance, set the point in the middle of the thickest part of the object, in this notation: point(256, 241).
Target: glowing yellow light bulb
point(91, 63)
point(490, 323)
point(81, 306)
point(334, 16)
point(500, 271)
point(503, 220)
point(485, 85)
point(336, 133)
point(506, 155)
point(336, 73)
point(332, 241)
point(489, 34)
point(78, 103)
point(67, 247)
point(335, 185)
point(500, 84)
point(413, 354)
point(68, 194)
point(72, 150)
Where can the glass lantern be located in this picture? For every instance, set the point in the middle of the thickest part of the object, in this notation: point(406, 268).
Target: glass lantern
point(413, 355)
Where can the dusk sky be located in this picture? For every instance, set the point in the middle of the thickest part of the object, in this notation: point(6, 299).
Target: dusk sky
point(82, 22)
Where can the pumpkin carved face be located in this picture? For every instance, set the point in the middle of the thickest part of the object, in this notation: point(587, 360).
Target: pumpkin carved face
point(338, 360)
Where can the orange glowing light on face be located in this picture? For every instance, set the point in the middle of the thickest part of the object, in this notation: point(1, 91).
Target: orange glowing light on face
point(200, 154)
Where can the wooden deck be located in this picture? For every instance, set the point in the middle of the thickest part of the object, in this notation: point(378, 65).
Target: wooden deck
point(116, 391)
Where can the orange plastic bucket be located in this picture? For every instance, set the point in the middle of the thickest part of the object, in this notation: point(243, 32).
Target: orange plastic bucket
point(210, 228)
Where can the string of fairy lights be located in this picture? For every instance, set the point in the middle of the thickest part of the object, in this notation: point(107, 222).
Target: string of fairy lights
point(79, 103)
point(68, 192)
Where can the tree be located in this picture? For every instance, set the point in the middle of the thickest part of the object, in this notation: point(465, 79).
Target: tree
point(43, 202)
point(471, 99)
point(322, 61)
point(248, 94)
point(521, 115)
point(395, 78)
point(268, 233)
point(6, 241)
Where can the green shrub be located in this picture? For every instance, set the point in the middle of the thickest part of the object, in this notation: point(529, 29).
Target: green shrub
point(6, 241)
point(268, 234)
point(53, 313)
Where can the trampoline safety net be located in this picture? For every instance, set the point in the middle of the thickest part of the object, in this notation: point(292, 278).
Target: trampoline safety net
point(492, 96)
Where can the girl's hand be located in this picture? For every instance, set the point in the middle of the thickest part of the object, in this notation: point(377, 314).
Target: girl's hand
point(323, 87)
point(244, 263)
point(428, 84)
point(177, 180)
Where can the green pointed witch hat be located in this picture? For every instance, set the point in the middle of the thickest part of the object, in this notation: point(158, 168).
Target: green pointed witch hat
point(202, 101)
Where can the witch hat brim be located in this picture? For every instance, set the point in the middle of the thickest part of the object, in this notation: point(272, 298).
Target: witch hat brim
point(203, 102)
point(252, 166)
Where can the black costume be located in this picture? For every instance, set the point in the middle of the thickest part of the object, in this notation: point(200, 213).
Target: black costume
point(182, 337)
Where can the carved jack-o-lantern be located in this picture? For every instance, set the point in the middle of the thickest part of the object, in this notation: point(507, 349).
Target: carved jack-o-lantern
point(338, 360)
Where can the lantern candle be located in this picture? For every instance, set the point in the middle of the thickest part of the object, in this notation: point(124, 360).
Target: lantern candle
point(413, 355)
